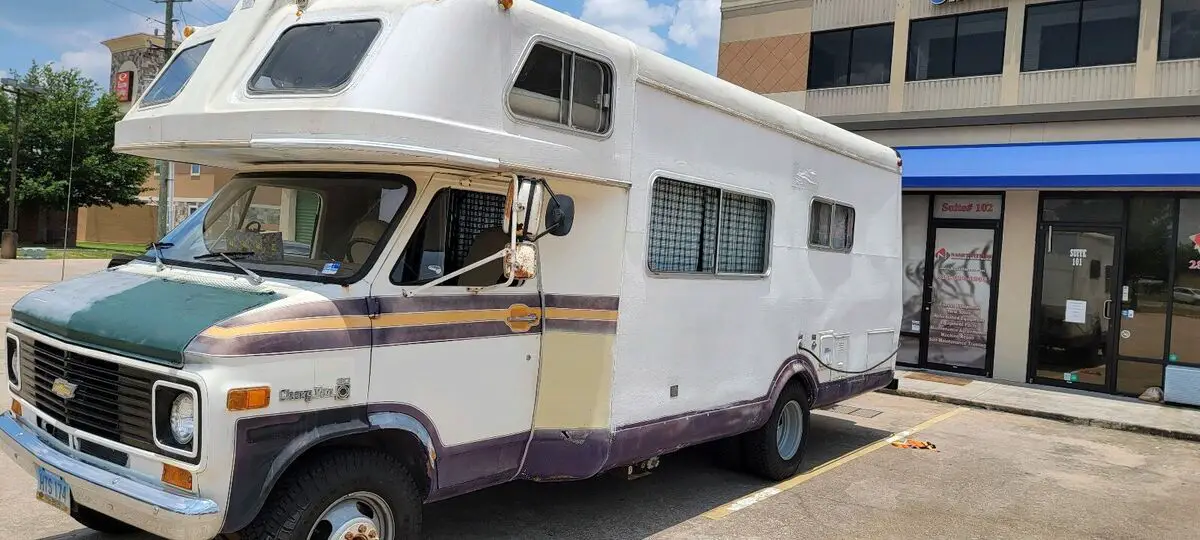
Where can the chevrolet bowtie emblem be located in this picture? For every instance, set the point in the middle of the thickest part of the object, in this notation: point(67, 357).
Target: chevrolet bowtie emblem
point(63, 389)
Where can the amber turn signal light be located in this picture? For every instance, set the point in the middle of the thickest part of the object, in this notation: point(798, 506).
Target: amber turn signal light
point(245, 399)
point(16, 408)
point(177, 477)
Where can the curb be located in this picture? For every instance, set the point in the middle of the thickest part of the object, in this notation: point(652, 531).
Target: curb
point(1079, 420)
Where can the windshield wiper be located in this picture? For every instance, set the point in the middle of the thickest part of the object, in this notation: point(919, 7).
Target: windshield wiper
point(229, 256)
point(157, 247)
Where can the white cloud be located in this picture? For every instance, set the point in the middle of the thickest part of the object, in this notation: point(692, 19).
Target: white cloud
point(93, 62)
point(633, 19)
point(696, 22)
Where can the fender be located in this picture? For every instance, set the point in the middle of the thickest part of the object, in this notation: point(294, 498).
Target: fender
point(266, 446)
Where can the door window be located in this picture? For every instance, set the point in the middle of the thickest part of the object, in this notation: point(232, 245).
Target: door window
point(962, 297)
point(458, 229)
point(1073, 341)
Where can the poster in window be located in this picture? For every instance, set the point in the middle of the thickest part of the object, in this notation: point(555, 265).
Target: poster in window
point(124, 86)
point(962, 296)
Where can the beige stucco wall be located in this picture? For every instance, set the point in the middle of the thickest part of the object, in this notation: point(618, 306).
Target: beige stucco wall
point(1148, 128)
point(1016, 285)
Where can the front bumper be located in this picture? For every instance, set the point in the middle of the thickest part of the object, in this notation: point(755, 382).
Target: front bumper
point(148, 507)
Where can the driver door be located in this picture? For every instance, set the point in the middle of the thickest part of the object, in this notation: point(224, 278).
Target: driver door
point(466, 360)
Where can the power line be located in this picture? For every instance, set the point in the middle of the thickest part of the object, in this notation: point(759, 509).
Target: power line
point(213, 8)
point(148, 18)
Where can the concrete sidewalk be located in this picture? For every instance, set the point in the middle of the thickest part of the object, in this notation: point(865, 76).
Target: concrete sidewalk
point(1056, 404)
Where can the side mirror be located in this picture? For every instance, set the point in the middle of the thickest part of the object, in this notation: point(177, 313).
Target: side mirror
point(521, 263)
point(523, 201)
point(560, 215)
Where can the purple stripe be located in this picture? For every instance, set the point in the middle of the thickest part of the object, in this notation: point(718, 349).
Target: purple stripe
point(399, 304)
point(324, 308)
point(556, 454)
point(578, 301)
point(289, 342)
point(400, 335)
point(585, 327)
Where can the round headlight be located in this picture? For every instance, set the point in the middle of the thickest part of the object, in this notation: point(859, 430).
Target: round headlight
point(183, 419)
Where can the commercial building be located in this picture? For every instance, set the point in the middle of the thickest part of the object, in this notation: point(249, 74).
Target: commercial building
point(136, 60)
point(1051, 171)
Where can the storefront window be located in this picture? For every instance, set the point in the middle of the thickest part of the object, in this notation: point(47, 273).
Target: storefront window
point(1106, 210)
point(1185, 320)
point(1144, 294)
point(915, 232)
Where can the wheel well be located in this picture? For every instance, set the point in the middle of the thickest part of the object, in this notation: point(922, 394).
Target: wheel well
point(805, 380)
point(394, 442)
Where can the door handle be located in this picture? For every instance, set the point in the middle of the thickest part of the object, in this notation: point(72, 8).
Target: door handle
point(1107, 306)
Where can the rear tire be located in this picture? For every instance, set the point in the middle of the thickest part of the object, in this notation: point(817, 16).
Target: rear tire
point(101, 523)
point(776, 450)
point(340, 489)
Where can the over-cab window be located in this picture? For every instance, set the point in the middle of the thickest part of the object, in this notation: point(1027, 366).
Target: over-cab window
point(315, 57)
point(176, 75)
point(563, 87)
point(831, 226)
point(458, 229)
point(698, 229)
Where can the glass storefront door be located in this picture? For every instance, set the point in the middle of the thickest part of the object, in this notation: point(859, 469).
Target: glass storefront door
point(960, 304)
point(951, 264)
point(1075, 321)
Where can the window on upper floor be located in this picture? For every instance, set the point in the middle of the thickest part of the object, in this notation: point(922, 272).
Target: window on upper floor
point(563, 87)
point(1062, 35)
point(696, 229)
point(956, 46)
point(195, 169)
point(831, 226)
point(851, 57)
point(318, 57)
point(1179, 36)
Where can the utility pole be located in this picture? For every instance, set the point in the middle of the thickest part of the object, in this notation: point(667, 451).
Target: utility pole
point(8, 243)
point(166, 173)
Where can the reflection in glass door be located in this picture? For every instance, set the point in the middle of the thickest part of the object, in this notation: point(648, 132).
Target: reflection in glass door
point(1073, 340)
point(960, 303)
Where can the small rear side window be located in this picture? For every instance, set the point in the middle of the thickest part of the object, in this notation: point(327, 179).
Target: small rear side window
point(176, 75)
point(315, 57)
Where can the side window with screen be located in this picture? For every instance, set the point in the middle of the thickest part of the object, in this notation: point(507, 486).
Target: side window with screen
point(458, 229)
point(559, 86)
point(314, 57)
point(697, 229)
point(831, 226)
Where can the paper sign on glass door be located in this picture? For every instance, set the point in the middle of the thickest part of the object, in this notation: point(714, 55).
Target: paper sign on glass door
point(1076, 312)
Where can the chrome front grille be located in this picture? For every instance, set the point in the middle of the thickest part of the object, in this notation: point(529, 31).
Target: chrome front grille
point(109, 400)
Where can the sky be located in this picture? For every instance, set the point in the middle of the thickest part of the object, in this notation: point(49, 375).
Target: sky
point(68, 32)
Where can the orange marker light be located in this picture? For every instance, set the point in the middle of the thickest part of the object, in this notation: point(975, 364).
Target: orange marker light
point(506, 4)
point(188, 31)
point(16, 408)
point(245, 399)
point(177, 477)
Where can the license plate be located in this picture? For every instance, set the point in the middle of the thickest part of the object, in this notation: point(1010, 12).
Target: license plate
point(53, 490)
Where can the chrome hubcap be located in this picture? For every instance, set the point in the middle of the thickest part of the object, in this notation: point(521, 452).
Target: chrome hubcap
point(357, 516)
point(789, 430)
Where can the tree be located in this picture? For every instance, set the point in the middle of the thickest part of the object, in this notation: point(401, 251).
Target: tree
point(71, 104)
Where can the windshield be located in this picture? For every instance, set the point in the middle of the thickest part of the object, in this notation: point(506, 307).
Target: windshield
point(317, 227)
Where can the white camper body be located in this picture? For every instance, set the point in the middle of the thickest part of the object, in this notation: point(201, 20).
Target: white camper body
point(374, 291)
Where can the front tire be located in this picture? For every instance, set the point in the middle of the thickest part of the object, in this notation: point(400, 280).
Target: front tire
point(365, 494)
point(776, 450)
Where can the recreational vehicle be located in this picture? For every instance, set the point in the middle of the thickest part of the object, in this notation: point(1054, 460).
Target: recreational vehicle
point(469, 242)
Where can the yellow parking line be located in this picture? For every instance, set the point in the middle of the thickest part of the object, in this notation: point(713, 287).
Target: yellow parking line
point(768, 492)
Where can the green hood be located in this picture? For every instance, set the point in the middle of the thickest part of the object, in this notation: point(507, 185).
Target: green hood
point(128, 314)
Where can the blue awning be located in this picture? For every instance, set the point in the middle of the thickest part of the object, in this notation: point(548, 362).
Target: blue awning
point(1101, 164)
